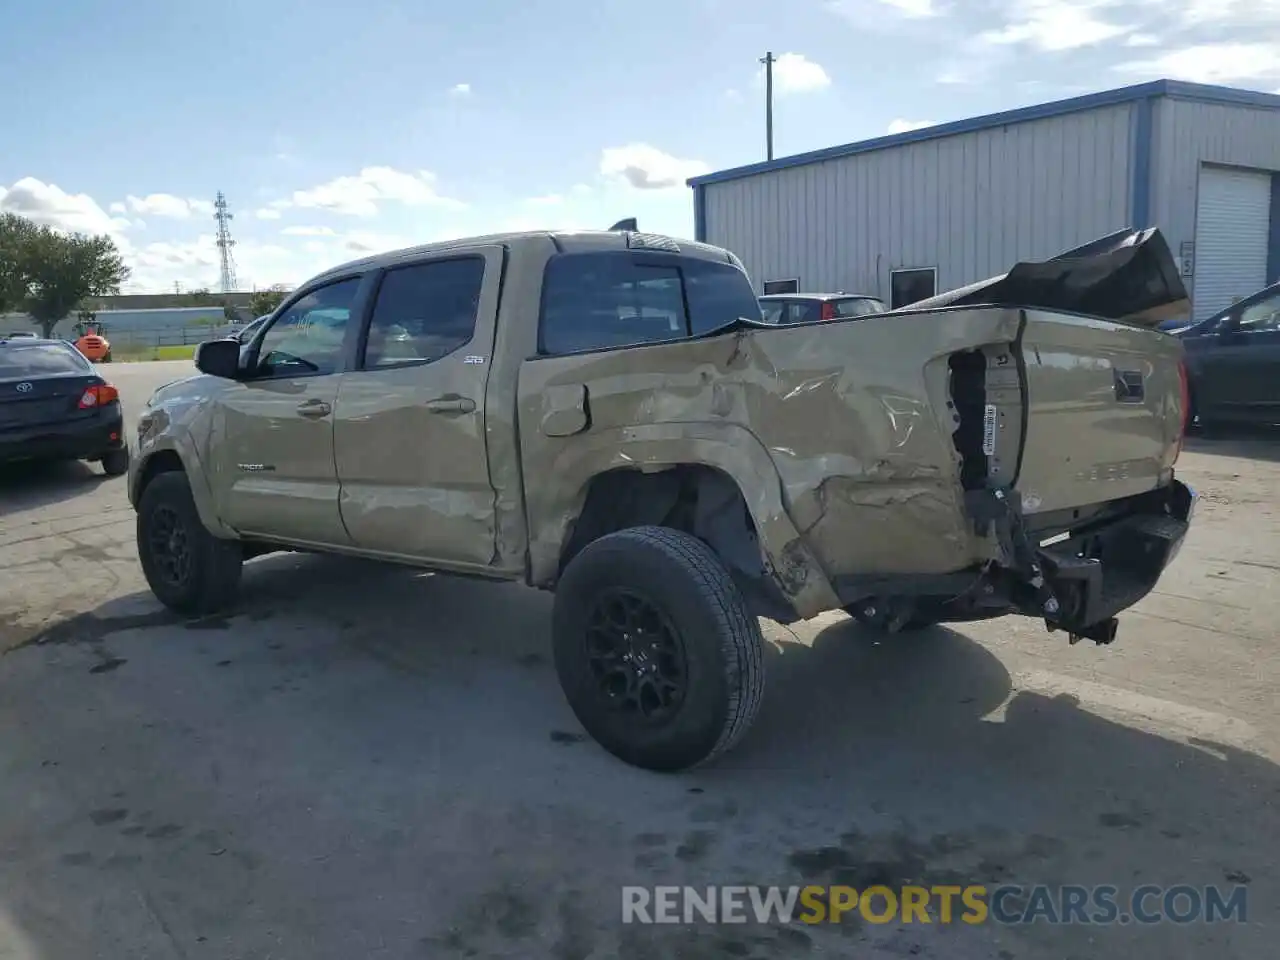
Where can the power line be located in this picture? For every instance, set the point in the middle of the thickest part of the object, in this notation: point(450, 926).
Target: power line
point(227, 276)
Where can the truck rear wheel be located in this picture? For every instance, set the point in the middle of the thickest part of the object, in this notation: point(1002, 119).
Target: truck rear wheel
point(188, 568)
point(657, 653)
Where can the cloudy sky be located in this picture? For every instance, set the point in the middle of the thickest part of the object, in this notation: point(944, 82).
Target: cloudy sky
point(341, 128)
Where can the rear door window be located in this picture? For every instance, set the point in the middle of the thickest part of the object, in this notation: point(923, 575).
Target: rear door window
point(20, 361)
point(598, 301)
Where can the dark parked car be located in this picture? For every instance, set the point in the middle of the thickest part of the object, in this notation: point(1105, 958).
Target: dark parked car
point(55, 406)
point(784, 308)
point(1233, 361)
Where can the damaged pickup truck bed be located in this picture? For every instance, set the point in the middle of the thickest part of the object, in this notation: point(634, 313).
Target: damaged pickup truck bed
point(603, 415)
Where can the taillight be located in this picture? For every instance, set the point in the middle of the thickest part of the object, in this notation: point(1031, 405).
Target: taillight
point(1184, 395)
point(97, 396)
point(828, 310)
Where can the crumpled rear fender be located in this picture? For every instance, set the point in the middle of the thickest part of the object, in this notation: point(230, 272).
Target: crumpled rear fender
point(728, 447)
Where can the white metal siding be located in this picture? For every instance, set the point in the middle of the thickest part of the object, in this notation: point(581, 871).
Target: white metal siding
point(1189, 133)
point(1233, 213)
point(969, 204)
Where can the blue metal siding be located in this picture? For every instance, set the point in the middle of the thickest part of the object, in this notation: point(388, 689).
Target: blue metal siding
point(969, 204)
point(1189, 133)
point(1041, 111)
point(1273, 238)
point(1140, 189)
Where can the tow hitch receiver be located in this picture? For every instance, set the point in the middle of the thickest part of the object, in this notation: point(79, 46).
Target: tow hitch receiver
point(1079, 585)
point(1100, 633)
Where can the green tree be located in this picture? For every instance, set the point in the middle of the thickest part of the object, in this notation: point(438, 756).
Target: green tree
point(55, 271)
point(264, 301)
point(16, 236)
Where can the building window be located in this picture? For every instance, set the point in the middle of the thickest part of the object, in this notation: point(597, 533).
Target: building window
point(910, 286)
point(782, 286)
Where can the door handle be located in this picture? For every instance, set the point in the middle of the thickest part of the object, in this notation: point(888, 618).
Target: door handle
point(314, 409)
point(451, 405)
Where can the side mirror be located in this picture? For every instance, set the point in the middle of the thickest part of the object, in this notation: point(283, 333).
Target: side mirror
point(219, 358)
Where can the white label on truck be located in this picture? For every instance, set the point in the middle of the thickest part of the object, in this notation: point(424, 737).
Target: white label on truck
point(989, 430)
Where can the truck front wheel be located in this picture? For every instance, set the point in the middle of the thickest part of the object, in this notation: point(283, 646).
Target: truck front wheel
point(188, 568)
point(658, 655)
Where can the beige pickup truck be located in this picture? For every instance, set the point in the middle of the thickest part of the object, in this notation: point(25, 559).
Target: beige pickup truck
point(605, 415)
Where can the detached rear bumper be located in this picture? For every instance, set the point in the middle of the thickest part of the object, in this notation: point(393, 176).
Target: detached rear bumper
point(1101, 571)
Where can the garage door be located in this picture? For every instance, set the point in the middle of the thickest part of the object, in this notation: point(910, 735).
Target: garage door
point(1232, 215)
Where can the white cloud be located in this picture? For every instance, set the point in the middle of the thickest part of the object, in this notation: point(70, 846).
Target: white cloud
point(648, 168)
point(303, 231)
point(549, 200)
point(166, 205)
point(903, 126)
point(1141, 40)
point(869, 13)
point(360, 195)
point(796, 73)
point(1212, 63)
point(364, 243)
point(1055, 25)
point(118, 207)
point(913, 9)
point(1194, 13)
point(460, 89)
point(267, 213)
point(49, 204)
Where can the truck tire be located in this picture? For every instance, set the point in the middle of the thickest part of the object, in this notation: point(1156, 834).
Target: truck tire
point(189, 569)
point(657, 653)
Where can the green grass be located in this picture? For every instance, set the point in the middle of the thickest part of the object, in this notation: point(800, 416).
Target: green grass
point(128, 352)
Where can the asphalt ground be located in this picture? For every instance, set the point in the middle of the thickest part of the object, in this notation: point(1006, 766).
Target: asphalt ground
point(367, 761)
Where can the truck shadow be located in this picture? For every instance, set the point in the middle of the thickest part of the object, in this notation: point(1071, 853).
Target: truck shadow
point(422, 715)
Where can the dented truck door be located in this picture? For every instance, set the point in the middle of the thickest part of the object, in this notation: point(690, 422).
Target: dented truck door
point(409, 435)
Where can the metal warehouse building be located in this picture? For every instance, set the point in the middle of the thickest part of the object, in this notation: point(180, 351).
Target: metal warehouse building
point(902, 217)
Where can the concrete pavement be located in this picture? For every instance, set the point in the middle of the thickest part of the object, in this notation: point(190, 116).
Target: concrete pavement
point(375, 762)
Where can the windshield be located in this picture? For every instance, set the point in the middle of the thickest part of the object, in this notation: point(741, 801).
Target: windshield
point(40, 358)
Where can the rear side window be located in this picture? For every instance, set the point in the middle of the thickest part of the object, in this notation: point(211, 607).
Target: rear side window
point(41, 359)
point(424, 312)
point(858, 307)
point(773, 311)
point(597, 301)
point(804, 311)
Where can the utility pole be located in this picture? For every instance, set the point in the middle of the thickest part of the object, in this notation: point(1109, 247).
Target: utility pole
point(768, 60)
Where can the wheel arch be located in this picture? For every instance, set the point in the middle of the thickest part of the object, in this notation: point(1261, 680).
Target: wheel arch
point(172, 458)
point(712, 480)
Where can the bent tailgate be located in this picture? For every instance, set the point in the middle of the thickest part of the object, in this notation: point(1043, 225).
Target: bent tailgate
point(1104, 410)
